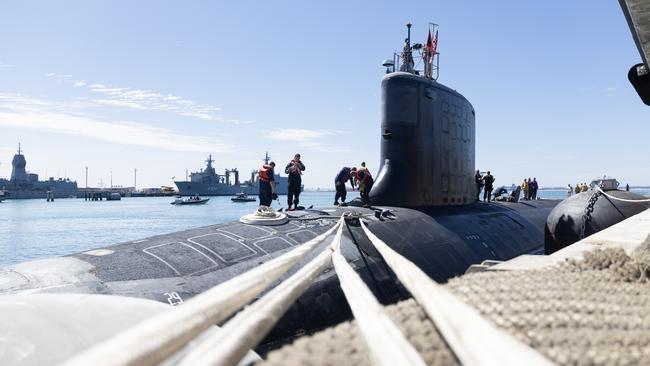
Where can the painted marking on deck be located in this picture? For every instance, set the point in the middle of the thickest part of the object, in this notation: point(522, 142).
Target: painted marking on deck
point(234, 240)
point(160, 259)
point(99, 252)
point(214, 263)
point(300, 231)
point(271, 238)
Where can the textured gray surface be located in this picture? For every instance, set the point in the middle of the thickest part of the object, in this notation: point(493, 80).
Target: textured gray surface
point(47, 329)
point(637, 13)
point(595, 311)
point(343, 345)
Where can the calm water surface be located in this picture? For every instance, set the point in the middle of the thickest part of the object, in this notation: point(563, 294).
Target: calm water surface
point(32, 229)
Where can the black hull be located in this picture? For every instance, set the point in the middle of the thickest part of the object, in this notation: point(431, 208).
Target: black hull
point(443, 241)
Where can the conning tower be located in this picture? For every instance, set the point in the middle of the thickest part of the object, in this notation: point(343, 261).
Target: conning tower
point(18, 164)
point(427, 136)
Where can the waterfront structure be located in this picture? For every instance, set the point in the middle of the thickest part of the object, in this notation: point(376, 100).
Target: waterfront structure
point(24, 184)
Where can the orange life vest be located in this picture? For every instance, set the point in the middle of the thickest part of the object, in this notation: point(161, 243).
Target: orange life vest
point(364, 176)
point(265, 173)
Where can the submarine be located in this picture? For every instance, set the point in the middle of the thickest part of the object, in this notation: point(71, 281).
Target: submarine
point(422, 204)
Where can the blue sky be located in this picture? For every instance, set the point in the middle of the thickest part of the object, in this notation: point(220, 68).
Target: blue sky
point(158, 85)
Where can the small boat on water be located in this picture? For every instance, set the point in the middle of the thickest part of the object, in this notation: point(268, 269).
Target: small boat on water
point(243, 197)
point(194, 200)
point(114, 196)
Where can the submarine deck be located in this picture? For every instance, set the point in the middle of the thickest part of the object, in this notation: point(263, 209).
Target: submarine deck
point(449, 239)
point(442, 241)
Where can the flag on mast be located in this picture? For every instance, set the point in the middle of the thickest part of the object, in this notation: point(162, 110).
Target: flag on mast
point(430, 43)
point(435, 42)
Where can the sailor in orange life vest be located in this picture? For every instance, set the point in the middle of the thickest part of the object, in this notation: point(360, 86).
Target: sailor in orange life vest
point(294, 170)
point(365, 181)
point(267, 184)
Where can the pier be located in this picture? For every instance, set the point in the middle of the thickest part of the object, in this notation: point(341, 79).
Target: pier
point(100, 194)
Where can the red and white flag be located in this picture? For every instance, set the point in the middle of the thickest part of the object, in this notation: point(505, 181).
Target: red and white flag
point(430, 46)
point(435, 42)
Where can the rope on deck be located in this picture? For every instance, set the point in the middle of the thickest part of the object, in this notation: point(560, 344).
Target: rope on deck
point(228, 345)
point(473, 339)
point(386, 344)
point(155, 339)
point(621, 199)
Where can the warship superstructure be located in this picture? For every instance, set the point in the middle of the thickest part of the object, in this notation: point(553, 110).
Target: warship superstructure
point(24, 184)
point(208, 182)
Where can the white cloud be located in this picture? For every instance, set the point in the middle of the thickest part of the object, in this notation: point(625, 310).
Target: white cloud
point(297, 134)
point(567, 157)
point(308, 139)
point(32, 114)
point(143, 99)
point(5, 66)
point(322, 147)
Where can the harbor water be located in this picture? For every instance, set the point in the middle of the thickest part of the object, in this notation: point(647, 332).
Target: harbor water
point(34, 229)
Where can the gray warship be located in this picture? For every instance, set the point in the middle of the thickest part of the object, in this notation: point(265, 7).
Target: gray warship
point(24, 184)
point(208, 183)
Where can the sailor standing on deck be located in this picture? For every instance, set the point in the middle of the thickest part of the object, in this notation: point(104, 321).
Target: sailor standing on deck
point(525, 188)
point(364, 178)
point(267, 184)
point(489, 181)
point(478, 179)
point(346, 174)
point(533, 188)
point(407, 57)
point(294, 169)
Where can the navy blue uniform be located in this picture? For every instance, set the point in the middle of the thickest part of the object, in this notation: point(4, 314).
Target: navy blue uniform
point(294, 170)
point(339, 182)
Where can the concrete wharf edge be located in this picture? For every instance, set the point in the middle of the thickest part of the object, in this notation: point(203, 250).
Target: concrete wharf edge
point(630, 234)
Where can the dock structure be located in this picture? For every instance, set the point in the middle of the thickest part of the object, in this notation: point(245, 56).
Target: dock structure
point(99, 194)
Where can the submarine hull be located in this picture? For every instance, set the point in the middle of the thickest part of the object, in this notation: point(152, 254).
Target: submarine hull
point(171, 268)
point(564, 223)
